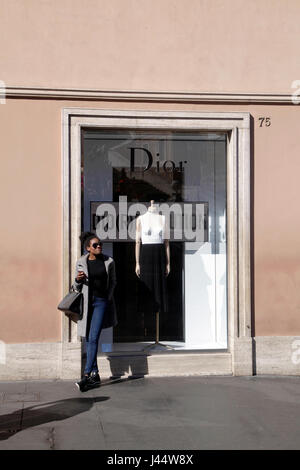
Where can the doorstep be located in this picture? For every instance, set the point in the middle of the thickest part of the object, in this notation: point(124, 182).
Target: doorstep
point(162, 364)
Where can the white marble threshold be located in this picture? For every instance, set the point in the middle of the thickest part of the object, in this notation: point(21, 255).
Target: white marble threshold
point(166, 346)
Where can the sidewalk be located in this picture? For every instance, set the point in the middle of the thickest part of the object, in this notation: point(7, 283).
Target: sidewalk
point(260, 412)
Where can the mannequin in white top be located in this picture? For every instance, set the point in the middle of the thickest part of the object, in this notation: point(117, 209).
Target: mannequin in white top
point(150, 229)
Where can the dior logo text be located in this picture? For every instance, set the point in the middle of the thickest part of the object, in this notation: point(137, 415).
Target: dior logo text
point(167, 166)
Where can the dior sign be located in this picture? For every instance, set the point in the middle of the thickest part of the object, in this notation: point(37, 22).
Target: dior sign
point(167, 166)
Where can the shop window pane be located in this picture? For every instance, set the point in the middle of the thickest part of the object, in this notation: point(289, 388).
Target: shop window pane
point(187, 168)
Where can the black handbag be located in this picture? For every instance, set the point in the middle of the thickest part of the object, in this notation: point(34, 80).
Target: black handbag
point(72, 305)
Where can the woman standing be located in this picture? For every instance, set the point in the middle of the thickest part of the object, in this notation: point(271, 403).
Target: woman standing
point(95, 275)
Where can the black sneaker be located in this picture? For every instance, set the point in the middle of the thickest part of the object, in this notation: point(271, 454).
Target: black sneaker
point(83, 383)
point(94, 379)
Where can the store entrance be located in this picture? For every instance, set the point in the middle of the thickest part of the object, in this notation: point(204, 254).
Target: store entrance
point(182, 169)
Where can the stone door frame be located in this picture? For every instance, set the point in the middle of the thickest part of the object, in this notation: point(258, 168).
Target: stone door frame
point(237, 127)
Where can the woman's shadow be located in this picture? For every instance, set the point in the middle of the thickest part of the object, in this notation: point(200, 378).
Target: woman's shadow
point(24, 418)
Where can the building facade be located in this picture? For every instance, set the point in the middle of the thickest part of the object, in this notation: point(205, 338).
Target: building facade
point(107, 105)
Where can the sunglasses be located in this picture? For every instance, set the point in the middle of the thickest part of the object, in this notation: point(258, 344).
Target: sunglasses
point(95, 245)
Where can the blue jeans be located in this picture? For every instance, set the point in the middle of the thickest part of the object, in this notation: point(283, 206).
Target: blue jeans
point(98, 309)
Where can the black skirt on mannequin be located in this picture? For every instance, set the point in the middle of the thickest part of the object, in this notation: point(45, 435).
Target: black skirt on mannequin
point(153, 273)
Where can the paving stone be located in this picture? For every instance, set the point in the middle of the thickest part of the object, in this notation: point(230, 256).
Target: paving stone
point(21, 397)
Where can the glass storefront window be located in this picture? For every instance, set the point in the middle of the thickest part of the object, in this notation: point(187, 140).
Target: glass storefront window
point(181, 170)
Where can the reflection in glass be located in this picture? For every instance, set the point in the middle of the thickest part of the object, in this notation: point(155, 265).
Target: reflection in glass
point(165, 166)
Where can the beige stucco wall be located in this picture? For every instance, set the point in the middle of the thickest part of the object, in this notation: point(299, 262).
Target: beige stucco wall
point(162, 45)
point(31, 221)
point(180, 45)
point(31, 208)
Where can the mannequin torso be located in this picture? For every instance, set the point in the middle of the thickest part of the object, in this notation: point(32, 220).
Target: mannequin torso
point(152, 227)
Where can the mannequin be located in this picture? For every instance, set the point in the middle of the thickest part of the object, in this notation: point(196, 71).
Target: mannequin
point(152, 254)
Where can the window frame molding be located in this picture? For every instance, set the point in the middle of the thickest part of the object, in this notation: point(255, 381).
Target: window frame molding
point(237, 127)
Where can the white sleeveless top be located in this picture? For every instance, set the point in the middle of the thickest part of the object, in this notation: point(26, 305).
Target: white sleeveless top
point(152, 227)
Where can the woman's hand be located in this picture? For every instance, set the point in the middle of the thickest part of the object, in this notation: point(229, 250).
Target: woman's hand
point(80, 276)
point(168, 269)
point(137, 270)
